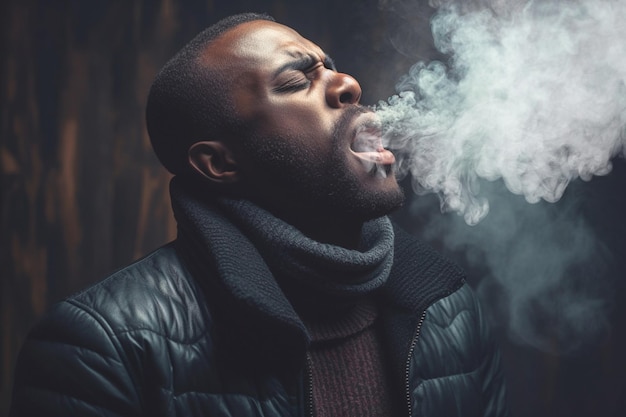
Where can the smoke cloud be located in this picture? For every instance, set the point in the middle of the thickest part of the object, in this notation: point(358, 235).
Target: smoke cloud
point(533, 93)
point(531, 96)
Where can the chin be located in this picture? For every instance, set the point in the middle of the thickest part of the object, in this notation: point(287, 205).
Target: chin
point(372, 206)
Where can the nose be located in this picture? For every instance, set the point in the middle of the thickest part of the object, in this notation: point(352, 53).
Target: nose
point(342, 90)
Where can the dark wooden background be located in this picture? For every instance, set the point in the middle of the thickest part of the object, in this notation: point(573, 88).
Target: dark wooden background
point(82, 193)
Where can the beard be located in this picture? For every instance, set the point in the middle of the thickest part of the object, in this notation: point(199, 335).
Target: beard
point(319, 183)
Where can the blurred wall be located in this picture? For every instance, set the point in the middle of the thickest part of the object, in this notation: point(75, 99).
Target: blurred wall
point(82, 193)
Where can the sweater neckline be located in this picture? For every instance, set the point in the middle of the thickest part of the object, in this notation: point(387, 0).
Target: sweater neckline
point(354, 320)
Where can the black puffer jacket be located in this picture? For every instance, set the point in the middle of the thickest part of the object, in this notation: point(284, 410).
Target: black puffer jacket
point(144, 342)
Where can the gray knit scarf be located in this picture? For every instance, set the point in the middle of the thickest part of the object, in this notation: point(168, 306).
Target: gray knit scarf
point(324, 267)
point(252, 251)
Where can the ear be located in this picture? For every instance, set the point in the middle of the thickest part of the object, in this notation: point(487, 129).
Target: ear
point(214, 161)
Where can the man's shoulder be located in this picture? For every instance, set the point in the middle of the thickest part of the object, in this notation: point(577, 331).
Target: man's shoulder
point(98, 349)
point(159, 272)
point(448, 309)
point(154, 293)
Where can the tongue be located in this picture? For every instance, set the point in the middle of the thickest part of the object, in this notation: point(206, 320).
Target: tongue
point(381, 156)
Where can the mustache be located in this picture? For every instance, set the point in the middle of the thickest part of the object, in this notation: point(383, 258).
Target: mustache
point(342, 126)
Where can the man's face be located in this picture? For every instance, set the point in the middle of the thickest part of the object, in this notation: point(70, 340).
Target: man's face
point(300, 121)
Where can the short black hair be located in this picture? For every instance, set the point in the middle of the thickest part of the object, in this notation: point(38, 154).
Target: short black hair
point(188, 102)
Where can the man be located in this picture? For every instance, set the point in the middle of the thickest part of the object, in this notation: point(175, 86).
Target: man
point(287, 292)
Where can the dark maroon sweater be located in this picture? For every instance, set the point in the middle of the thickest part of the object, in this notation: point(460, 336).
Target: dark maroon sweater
point(346, 363)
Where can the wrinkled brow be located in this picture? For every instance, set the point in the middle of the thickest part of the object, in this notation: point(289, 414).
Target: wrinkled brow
point(304, 62)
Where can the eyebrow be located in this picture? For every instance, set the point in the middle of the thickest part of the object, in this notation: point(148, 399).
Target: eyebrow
point(304, 62)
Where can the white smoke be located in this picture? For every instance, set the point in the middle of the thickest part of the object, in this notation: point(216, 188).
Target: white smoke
point(531, 96)
point(545, 275)
point(534, 94)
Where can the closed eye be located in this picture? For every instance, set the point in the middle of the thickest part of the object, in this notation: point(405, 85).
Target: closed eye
point(293, 85)
point(305, 66)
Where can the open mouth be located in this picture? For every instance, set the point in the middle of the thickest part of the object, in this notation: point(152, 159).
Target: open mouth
point(368, 146)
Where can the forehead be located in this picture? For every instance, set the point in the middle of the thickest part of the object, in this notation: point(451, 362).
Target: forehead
point(259, 44)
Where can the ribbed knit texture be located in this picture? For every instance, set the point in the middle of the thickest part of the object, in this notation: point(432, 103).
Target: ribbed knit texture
point(347, 369)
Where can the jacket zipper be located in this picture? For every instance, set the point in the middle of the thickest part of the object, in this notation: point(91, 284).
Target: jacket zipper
point(309, 383)
point(408, 361)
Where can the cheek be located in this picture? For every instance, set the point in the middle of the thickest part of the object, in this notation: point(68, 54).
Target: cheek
point(295, 117)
